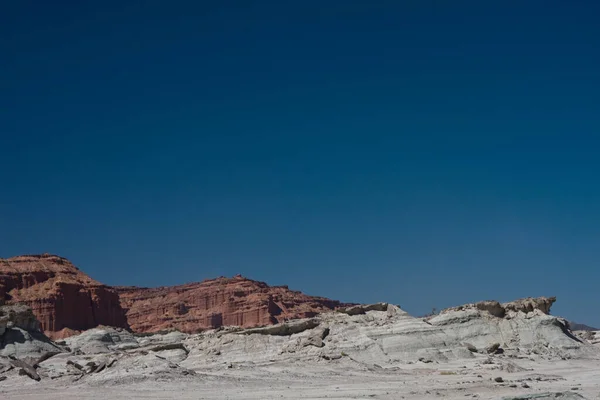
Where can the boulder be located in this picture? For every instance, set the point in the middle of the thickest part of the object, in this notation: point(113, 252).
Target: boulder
point(25, 368)
point(169, 346)
point(363, 308)
point(493, 348)
point(21, 337)
point(102, 340)
point(30, 346)
point(18, 316)
point(315, 338)
point(471, 348)
point(493, 307)
point(530, 304)
point(285, 329)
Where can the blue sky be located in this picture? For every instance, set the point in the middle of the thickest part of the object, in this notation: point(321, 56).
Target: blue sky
point(424, 153)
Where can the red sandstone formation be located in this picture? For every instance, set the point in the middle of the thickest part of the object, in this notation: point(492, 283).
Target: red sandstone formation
point(214, 303)
point(61, 297)
point(66, 300)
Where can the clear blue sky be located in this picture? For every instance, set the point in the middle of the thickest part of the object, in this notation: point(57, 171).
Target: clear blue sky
point(426, 153)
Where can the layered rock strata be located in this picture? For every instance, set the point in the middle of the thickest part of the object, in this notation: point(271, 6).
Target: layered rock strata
point(67, 301)
point(236, 301)
point(62, 298)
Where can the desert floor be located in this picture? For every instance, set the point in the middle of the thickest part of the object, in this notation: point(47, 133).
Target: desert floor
point(337, 380)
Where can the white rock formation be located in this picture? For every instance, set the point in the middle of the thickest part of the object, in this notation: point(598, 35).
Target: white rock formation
point(378, 343)
point(102, 340)
point(20, 335)
point(522, 326)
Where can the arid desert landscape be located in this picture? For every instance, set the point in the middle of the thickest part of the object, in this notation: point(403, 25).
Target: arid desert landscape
point(340, 199)
point(284, 345)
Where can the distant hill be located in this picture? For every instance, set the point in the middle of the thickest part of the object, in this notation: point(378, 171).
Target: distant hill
point(581, 327)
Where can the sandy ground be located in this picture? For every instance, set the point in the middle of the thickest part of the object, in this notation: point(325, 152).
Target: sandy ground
point(458, 380)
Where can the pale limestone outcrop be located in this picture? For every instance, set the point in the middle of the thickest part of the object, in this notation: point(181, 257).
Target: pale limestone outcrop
point(18, 316)
point(21, 337)
point(102, 340)
point(382, 337)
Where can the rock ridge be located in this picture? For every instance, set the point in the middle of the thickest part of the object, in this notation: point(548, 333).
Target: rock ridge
point(67, 301)
point(214, 303)
point(501, 310)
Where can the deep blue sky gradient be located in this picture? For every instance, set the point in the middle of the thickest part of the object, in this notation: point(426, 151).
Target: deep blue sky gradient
point(426, 153)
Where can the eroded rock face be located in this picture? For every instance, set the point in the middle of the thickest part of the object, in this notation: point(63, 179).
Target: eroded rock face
point(523, 324)
point(66, 301)
point(102, 340)
point(530, 304)
point(61, 296)
point(218, 302)
point(540, 305)
point(17, 316)
point(20, 335)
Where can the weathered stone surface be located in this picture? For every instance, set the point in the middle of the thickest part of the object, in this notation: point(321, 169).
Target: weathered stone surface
point(25, 369)
point(18, 316)
point(21, 337)
point(23, 344)
point(285, 329)
point(528, 305)
point(61, 296)
point(471, 348)
point(169, 346)
point(373, 341)
point(66, 301)
point(376, 338)
point(492, 348)
point(102, 340)
point(493, 307)
point(525, 327)
point(363, 308)
point(236, 301)
point(316, 337)
point(546, 396)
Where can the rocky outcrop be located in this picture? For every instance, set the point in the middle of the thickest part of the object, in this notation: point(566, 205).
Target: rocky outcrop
point(286, 328)
point(391, 339)
point(363, 308)
point(102, 340)
point(66, 301)
point(528, 305)
point(382, 337)
point(236, 301)
point(523, 324)
point(17, 316)
point(592, 337)
point(21, 337)
point(61, 296)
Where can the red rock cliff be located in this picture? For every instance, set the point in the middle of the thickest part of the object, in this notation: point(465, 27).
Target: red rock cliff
point(61, 296)
point(65, 300)
point(218, 302)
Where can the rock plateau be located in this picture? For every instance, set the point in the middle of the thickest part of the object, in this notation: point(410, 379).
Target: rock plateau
point(214, 303)
point(67, 301)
